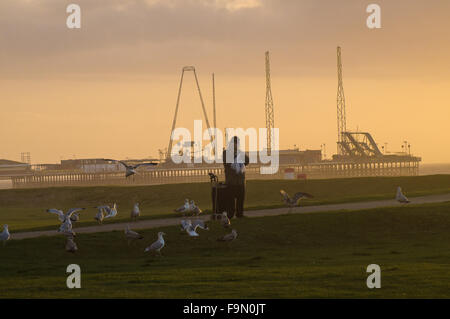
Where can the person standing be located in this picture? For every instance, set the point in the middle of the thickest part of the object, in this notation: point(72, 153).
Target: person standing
point(234, 162)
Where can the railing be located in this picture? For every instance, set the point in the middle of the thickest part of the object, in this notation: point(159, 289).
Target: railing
point(200, 174)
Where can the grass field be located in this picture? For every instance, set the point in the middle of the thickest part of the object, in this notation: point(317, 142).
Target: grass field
point(290, 256)
point(25, 209)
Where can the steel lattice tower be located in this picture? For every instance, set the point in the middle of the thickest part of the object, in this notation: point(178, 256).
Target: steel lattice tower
point(269, 106)
point(341, 120)
point(187, 68)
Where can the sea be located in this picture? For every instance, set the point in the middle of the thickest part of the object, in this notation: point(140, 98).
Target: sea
point(424, 169)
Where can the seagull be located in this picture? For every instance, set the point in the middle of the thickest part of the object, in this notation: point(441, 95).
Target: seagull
point(112, 212)
point(66, 226)
point(75, 217)
point(400, 197)
point(225, 221)
point(68, 233)
point(5, 235)
point(99, 216)
point(185, 223)
point(157, 245)
point(185, 208)
point(135, 213)
point(294, 201)
point(71, 246)
point(198, 223)
point(131, 169)
point(132, 235)
point(196, 210)
point(61, 216)
point(229, 237)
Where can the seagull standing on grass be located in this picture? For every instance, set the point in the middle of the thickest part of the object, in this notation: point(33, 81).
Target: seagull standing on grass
point(295, 200)
point(400, 197)
point(229, 237)
point(132, 235)
point(5, 235)
point(99, 216)
point(112, 212)
point(225, 221)
point(157, 245)
point(71, 246)
point(131, 169)
point(135, 213)
point(185, 208)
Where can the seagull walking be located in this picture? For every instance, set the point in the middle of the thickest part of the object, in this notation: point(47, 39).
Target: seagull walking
point(135, 213)
point(229, 237)
point(295, 200)
point(5, 235)
point(132, 235)
point(99, 216)
point(131, 169)
point(157, 245)
point(400, 197)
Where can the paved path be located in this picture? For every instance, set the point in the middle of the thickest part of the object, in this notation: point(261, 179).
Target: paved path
point(156, 223)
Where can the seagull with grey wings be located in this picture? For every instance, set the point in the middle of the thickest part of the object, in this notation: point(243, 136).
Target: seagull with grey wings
point(186, 225)
point(135, 212)
point(185, 208)
point(132, 235)
point(5, 235)
point(110, 211)
point(229, 237)
point(131, 169)
point(68, 215)
point(157, 245)
point(99, 216)
point(295, 200)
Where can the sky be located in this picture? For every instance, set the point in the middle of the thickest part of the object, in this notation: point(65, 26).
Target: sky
point(109, 88)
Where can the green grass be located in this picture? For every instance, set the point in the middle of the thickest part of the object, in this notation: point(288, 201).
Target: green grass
point(25, 209)
point(291, 256)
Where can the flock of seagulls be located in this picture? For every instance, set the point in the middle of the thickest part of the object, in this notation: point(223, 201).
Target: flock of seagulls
point(189, 226)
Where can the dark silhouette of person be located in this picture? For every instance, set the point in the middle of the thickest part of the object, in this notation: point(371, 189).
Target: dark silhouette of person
point(234, 162)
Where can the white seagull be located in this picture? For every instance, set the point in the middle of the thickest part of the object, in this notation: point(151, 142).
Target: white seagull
point(198, 223)
point(61, 216)
point(132, 235)
point(400, 197)
point(157, 245)
point(135, 213)
point(185, 208)
point(111, 212)
point(71, 246)
point(229, 237)
point(131, 169)
point(5, 235)
point(186, 225)
point(225, 221)
point(99, 216)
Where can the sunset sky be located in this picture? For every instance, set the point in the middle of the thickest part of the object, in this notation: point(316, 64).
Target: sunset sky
point(109, 89)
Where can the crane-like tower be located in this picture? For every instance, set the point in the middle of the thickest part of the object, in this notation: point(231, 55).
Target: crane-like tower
point(341, 120)
point(269, 106)
point(187, 68)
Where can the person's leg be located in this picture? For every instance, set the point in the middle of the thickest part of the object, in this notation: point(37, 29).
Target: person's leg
point(231, 202)
point(240, 201)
